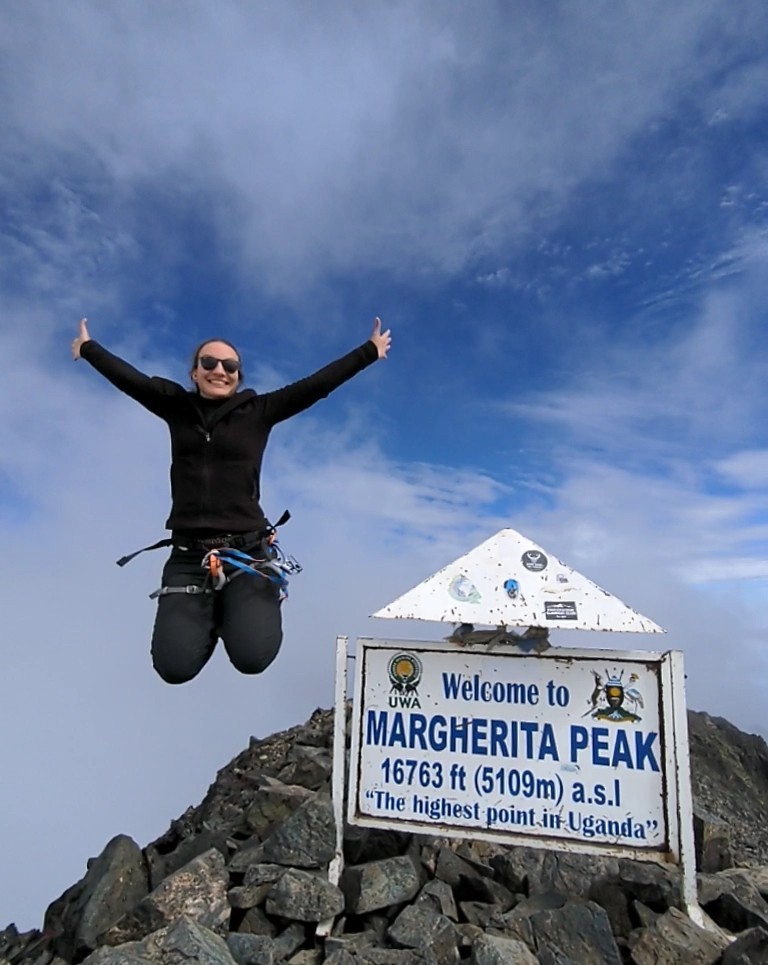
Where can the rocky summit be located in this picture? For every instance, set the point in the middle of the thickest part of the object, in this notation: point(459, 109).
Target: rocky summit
point(242, 879)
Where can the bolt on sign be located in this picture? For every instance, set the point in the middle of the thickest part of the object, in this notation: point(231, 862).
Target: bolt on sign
point(578, 749)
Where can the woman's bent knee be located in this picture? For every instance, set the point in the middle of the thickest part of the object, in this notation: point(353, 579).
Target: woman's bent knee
point(252, 667)
point(183, 638)
point(175, 675)
point(256, 656)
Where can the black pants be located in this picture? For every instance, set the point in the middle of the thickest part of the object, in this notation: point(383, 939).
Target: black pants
point(245, 614)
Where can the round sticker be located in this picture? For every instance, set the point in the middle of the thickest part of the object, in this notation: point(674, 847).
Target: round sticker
point(461, 588)
point(534, 560)
point(512, 588)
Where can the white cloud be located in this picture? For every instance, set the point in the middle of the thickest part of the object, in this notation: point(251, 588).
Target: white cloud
point(403, 136)
point(747, 469)
point(741, 95)
point(614, 265)
point(697, 389)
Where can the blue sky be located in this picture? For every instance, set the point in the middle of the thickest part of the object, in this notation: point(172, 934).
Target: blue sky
point(560, 210)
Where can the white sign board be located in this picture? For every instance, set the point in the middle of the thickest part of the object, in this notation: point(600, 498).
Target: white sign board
point(511, 581)
point(575, 748)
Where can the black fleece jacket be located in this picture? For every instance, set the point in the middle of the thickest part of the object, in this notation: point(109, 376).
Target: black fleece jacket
point(217, 450)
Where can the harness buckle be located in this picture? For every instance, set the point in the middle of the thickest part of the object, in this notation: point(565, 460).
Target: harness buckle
point(190, 589)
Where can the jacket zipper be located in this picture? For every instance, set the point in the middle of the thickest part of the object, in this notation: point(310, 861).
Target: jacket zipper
point(205, 499)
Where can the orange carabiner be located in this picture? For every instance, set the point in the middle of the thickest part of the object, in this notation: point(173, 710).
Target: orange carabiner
point(215, 567)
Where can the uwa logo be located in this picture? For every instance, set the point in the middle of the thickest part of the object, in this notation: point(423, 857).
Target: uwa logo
point(405, 675)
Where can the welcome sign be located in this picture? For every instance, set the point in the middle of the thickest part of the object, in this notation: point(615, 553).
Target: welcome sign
point(573, 747)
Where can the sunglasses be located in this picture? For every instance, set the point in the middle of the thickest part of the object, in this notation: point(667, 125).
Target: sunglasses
point(209, 363)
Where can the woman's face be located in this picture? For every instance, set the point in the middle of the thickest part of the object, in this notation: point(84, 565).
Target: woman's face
point(216, 382)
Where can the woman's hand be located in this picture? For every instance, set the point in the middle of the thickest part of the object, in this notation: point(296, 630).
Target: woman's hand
point(382, 340)
point(82, 337)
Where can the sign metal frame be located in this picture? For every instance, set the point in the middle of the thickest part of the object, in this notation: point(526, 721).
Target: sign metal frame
point(677, 844)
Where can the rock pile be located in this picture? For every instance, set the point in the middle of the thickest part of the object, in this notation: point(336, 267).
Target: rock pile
point(242, 879)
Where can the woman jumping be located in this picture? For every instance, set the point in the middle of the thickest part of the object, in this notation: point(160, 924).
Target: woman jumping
point(218, 436)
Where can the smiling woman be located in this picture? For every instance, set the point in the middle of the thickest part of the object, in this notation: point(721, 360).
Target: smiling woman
point(218, 529)
point(217, 369)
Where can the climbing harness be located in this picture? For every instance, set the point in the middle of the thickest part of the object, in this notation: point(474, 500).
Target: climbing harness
point(236, 540)
point(224, 560)
point(272, 565)
point(224, 564)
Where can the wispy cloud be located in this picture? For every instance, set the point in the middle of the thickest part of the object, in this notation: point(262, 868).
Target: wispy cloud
point(697, 388)
point(407, 135)
point(747, 469)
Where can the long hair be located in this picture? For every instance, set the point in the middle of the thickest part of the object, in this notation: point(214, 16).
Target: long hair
point(201, 346)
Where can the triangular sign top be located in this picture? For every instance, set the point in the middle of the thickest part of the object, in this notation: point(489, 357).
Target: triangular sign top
point(510, 581)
